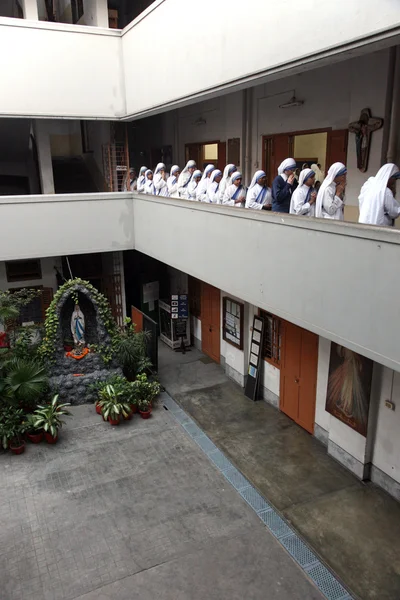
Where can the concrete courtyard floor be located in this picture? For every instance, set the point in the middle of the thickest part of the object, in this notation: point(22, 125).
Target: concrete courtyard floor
point(135, 512)
point(353, 526)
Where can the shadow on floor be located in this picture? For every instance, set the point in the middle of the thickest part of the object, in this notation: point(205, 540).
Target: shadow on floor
point(354, 526)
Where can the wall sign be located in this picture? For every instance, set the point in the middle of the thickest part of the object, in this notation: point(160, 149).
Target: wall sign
point(233, 314)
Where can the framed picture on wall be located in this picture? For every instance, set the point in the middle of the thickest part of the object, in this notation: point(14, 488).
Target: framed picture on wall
point(233, 314)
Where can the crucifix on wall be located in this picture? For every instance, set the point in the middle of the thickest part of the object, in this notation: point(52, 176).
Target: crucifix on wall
point(363, 129)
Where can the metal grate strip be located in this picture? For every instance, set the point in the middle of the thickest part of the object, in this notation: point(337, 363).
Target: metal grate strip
point(255, 499)
point(205, 443)
point(327, 583)
point(275, 524)
point(193, 429)
point(298, 549)
point(235, 478)
point(220, 460)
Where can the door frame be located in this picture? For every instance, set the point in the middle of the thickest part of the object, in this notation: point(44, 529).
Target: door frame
point(266, 137)
point(201, 144)
point(217, 332)
point(282, 373)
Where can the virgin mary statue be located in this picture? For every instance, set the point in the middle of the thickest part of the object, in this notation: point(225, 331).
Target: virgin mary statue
point(78, 326)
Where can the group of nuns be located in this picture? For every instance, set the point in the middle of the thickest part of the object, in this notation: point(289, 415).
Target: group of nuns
point(287, 195)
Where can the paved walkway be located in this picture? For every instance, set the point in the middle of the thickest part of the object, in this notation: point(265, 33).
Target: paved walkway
point(135, 512)
point(354, 527)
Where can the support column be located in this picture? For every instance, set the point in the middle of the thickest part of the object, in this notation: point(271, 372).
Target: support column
point(30, 10)
point(96, 13)
point(42, 138)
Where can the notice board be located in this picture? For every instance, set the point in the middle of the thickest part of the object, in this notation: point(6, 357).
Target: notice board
point(255, 357)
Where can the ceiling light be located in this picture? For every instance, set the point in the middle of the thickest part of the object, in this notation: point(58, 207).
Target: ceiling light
point(292, 102)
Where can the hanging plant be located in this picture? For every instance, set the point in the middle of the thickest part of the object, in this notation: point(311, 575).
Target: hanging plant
point(48, 347)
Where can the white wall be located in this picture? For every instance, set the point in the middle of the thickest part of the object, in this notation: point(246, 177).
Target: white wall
point(40, 226)
point(80, 77)
point(386, 455)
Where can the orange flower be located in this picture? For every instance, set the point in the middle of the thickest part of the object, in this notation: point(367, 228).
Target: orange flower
point(84, 352)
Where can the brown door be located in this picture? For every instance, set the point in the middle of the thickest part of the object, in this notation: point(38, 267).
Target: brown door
point(210, 321)
point(275, 149)
point(336, 148)
point(193, 152)
point(299, 375)
point(221, 164)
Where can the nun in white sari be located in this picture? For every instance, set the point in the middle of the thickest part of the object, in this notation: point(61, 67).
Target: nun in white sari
point(201, 191)
point(330, 203)
point(226, 180)
point(149, 184)
point(235, 193)
point(377, 203)
point(304, 196)
point(160, 182)
point(172, 181)
point(213, 187)
point(141, 180)
point(259, 195)
point(194, 182)
point(185, 177)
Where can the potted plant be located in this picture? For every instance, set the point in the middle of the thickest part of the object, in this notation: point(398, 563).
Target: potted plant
point(145, 392)
point(68, 344)
point(48, 418)
point(113, 405)
point(12, 429)
point(33, 434)
point(130, 348)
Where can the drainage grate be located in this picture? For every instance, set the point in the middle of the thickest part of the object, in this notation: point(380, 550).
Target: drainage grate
point(327, 583)
point(300, 552)
point(255, 499)
point(275, 524)
point(321, 576)
point(235, 478)
point(205, 443)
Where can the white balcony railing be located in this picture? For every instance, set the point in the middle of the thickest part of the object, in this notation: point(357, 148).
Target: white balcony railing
point(339, 280)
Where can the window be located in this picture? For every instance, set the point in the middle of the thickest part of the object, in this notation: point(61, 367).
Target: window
point(272, 338)
point(23, 270)
point(195, 297)
point(233, 322)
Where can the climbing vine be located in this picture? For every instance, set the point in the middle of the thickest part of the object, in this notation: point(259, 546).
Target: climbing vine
point(48, 347)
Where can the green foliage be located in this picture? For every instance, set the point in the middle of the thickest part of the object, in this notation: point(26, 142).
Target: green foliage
point(48, 417)
point(145, 391)
point(25, 380)
point(12, 302)
point(30, 423)
point(12, 425)
point(113, 404)
point(121, 385)
point(22, 341)
point(130, 349)
point(48, 346)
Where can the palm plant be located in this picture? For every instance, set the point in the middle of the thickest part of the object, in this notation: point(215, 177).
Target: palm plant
point(25, 380)
point(48, 417)
point(131, 350)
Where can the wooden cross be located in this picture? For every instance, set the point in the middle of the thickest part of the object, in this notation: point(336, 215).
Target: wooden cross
point(363, 129)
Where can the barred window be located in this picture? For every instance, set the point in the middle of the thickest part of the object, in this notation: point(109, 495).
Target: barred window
point(272, 338)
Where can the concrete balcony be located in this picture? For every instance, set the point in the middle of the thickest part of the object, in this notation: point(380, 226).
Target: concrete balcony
point(338, 280)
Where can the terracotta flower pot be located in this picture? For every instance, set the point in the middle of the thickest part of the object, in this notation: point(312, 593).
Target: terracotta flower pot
point(113, 421)
point(49, 438)
point(146, 414)
point(98, 408)
point(134, 408)
point(129, 417)
point(35, 438)
point(17, 447)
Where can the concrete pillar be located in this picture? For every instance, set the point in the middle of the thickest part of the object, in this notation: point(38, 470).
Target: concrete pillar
point(95, 13)
point(42, 138)
point(30, 10)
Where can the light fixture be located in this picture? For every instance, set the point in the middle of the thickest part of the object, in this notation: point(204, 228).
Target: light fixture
point(292, 102)
point(200, 121)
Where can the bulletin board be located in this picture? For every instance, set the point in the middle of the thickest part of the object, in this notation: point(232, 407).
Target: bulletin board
point(255, 358)
point(233, 314)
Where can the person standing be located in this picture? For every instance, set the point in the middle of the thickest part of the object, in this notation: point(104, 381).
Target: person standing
point(172, 181)
point(226, 180)
point(304, 196)
point(130, 184)
point(283, 186)
point(185, 177)
point(330, 198)
point(191, 188)
point(235, 193)
point(141, 180)
point(213, 187)
point(259, 195)
point(201, 191)
point(377, 202)
point(160, 180)
point(149, 184)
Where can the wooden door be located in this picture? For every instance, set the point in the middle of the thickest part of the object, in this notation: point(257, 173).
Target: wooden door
point(298, 382)
point(210, 321)
point(193, 152)
point(336, 147)
point(275, 149)
point(221, 163)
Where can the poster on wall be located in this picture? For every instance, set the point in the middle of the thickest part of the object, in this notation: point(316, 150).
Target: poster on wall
point(349, 388)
